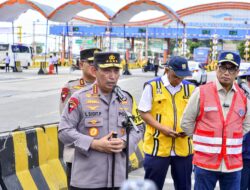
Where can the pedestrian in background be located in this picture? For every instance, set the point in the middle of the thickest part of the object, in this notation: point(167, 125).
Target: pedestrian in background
point(161, 106)
point(245, 173)
point(51, 65)
point(217, 116)
point(55, 62)
point(88, 122)
point(88, 78)
point(7, 62)
point(156, 64)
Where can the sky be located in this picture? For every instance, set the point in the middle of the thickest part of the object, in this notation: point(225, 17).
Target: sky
point(28, 19)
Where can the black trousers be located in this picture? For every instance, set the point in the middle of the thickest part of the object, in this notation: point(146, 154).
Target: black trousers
point(56, 67)
point(68, 170)
point(156, 69)
point(7, 67)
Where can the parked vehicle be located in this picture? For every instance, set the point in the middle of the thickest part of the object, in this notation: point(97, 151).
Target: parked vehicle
point(199, 74)
point(243, 67)
point(148, 67)
point(20, 53)
point(202, 55)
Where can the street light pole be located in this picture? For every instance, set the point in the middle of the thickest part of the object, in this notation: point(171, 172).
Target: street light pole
point(14, 55)
point(34, 34)
point(126, 70)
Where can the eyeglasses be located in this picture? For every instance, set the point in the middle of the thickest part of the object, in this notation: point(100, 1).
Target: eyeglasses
point(231, 70)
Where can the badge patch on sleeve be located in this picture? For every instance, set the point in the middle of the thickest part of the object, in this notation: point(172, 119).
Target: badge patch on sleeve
point(73, 103)
point(64, 94)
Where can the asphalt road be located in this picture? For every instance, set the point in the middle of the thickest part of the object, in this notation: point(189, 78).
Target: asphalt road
point(28, 99)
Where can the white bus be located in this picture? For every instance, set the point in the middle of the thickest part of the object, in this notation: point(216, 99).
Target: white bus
point(21, 53)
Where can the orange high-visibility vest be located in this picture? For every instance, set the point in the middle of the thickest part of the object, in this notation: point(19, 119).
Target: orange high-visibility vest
point(216, 138)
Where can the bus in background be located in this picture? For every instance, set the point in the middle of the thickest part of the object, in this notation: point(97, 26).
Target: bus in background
point(202, 55)
point(21, 53)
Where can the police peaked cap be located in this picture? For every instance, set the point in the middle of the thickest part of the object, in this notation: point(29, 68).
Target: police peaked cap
point(107, 59)
point(88, 54)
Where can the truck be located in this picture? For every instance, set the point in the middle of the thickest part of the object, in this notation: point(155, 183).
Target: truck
point(202, 55)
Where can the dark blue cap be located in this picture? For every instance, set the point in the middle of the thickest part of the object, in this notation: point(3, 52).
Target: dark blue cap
point(179, 65)
point(229, 57)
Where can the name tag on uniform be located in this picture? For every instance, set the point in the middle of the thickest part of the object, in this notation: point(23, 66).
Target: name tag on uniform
point(210, 109)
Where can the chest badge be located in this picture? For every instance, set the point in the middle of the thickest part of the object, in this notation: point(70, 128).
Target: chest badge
point(123, 131)
point(92, 107)
point(241, 112)
point(93, 131)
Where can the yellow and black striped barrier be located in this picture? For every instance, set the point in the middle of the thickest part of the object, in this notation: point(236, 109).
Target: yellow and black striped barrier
point(32, 159)
point(27, 161)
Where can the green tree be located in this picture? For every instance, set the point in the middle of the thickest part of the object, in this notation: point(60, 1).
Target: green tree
point(39, 49)
point(192, 45)
point(241, 48)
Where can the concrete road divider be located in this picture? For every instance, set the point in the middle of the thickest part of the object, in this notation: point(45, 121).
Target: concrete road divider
point(26, 162)
point(31, 159)
point(55, 157)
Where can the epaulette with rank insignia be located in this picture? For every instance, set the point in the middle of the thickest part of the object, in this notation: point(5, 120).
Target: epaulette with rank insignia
point(72, 80)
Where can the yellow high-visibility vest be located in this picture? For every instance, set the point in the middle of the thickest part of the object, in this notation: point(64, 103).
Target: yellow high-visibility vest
point(167, 109)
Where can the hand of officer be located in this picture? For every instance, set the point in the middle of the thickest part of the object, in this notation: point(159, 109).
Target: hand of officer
point(108, 144)
point(169, 132)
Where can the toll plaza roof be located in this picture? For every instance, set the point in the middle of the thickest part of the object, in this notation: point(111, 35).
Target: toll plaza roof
point(12, 9)
point(124, 15)
point(68, 10)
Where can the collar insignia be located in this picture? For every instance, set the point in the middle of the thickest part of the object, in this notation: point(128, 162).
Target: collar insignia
point(82, 83)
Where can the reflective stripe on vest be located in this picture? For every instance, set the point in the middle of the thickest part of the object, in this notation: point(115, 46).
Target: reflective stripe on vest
point(156, 134)
point(216, 140)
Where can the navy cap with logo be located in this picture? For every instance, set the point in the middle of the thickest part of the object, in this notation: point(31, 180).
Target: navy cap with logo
point(88, 54)
point(229, 57)
point(179, 65)
point(107, 59)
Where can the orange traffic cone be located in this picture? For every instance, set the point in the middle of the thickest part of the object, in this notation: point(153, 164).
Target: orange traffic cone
point(51, 69)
